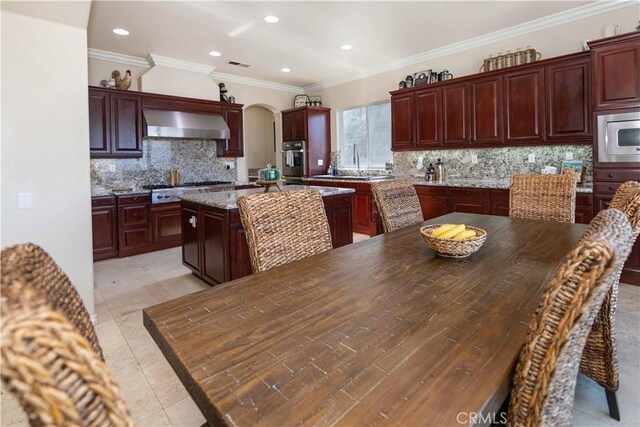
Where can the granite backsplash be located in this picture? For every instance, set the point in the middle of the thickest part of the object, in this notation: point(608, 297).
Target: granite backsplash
point(493, 163)
point(195, 159)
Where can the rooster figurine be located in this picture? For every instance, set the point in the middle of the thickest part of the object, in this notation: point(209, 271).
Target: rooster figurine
point(122, 83)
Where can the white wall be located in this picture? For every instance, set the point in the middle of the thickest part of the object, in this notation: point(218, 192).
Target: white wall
point(258, 137)
point(555, 41)
point(45, 149)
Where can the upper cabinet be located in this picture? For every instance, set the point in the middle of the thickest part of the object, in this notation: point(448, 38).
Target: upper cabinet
point(116, 122)
point(616, 70)
point(540, 103)
point(294, 125)
point(312, 125)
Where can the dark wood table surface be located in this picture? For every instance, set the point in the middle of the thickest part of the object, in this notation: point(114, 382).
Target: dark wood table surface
point(379, 332)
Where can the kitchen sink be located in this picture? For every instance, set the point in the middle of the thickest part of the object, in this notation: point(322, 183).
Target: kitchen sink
point(354, 177)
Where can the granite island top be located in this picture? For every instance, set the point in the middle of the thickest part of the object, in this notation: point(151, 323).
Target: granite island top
point(227, 199)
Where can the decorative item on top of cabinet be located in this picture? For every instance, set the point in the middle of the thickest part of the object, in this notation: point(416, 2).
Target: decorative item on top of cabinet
point(223, 92)
point(510, 59)
point(301, 101)
point(122, 83)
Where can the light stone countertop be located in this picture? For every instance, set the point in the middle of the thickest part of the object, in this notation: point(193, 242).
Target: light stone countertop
point(97, 191)
point(227, 199)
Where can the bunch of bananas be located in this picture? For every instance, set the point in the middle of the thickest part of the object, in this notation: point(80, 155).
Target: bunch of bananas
point(453, 231)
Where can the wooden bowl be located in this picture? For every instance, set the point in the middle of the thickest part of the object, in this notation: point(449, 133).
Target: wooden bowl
point(453, 248)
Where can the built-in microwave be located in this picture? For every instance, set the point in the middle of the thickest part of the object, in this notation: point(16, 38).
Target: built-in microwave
point(619, 137)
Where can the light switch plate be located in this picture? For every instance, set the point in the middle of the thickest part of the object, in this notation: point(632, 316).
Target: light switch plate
point(320, 162)
point(532, 158)
point(24, 200)
point(112, 168)
point(569, 155)
point(474, 158)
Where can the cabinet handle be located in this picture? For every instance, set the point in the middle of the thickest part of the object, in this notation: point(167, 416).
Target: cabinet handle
point(611, 188)
point(193, 221)
point(135, 198)
point(610, 175)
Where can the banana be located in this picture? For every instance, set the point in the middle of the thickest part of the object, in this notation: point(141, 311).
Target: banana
point(466, 234)
point(442, 229)
point(452, 232)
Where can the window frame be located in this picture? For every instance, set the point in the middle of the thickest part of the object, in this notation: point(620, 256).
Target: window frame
point(341, 128)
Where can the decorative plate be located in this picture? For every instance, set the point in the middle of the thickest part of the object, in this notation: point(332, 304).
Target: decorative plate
point(300, 101)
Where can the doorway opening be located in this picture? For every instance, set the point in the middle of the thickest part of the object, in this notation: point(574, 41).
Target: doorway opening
point(259, 139)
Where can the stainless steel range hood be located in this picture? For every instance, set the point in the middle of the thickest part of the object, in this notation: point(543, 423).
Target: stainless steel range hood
point(177, 124)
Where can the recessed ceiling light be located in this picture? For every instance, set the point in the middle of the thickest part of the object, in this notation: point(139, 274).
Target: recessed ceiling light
point(285, 70)
point(215, 53)
point(121, 31)
point(271, 19)
point(346, 47)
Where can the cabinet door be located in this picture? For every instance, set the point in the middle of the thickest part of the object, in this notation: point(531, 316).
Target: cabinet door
point(499, 202)
point(234, 146)
point(213, 246)
point(362, 211)
point(470, 200)
point(455, 115)
point(133, 240)
point(105, 232)
point(190, 247)
point(339, 216)
point(298, 126)
point(486, 111)
point(126, 125)
point(427, 119)
point(402, 122)
point(99, 125)
point(240, 262)
point(166, 225)
point(568, 101)
point(616, 76)
point(524, 106)
point(133, 215)
point(287, 127)
point(433, 207)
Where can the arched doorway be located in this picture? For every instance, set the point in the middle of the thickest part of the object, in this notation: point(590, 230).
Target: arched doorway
point(259, 138)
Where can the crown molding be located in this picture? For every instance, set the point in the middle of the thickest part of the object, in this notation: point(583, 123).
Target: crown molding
point(556, 19)
point(165, 61)
point(256, 82)
point(104, 55)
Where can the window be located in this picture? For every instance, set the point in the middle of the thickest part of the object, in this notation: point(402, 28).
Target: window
point(369, 128)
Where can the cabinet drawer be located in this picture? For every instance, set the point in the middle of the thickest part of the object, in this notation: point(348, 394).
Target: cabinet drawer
point(606, 187)
point(133, 215)
point(103, 201)
point(476, 193)
point(584, 199)
point(134, 199)
point(427, 190)
point(337, 201)
point(616, 175)
point(499, 195)
point(134, 237)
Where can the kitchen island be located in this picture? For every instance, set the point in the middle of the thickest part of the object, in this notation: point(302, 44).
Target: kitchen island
point(214, 245)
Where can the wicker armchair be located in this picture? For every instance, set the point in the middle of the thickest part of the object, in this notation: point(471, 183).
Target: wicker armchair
point(546, 374)
point(545, 197)
point(30, 264)
point(284, 227)
point(398, 204)
point(599, 360)
point(52, 369)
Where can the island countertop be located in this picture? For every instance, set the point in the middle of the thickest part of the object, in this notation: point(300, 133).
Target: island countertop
point(227, 199)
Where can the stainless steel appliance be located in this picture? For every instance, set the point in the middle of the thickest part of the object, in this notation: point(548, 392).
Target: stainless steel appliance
point(178, 124)
point(294, 161)
point(619, 137)
point(167, 194)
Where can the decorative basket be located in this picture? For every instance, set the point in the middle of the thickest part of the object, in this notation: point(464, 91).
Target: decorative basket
point(452, 248)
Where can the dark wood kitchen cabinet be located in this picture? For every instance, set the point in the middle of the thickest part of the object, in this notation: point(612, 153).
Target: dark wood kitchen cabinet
point(402, 122)
point(499, 202)
point(104, 223)
point(166, 229)
point(99, 124)
point(339, 213)
point(486, 111)
point(616, 71)
point(434, 201)
point(312, 125)
point(234, 146)
point(524, 106)
point(293, 125)
point(427, 119)
point(469, 200)
point(134, 225)
point(456, 122)
point(568, 96)
point(190, 236)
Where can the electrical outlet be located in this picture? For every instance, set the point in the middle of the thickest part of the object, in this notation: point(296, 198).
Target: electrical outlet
point(112, 168)
point(229, 165)
point(568, 155)
point(532, 158)
point(474, 159)
point(320, 162)
point(24, 200)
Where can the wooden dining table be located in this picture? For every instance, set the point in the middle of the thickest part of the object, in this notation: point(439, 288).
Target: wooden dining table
point(381, 332)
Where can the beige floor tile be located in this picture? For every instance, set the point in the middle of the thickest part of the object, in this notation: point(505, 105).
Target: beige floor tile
point(124, 303)
point(11, 414)
point(144, 348)
point(357, 237)
point(183, 285)
point(165, 383)
point(138, 394)
point(185, 413)
point(116, 351)
point(159, 419)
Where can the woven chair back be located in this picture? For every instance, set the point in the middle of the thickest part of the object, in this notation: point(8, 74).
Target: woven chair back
point(284, 227)
point(545, 197)
point(398, 204)
point(545, 379)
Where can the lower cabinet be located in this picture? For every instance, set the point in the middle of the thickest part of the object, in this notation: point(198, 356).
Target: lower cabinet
point(104, 220)
point(134, 226)
point(434, 201)
point(166, 228)
point(470, 200)
point(499, 202)
point(214, 244)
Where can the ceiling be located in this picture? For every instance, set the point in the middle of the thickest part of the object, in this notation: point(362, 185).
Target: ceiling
point(307, 38)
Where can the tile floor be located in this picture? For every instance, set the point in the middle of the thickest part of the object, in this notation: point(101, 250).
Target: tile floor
point(157, 398)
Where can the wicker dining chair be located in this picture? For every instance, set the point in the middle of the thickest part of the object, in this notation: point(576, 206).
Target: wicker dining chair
point(397, 203)
point(284, 227)
point(545, 197)
point(51, 369)
point(546, 374)
point(599, 359)
point(32, 265)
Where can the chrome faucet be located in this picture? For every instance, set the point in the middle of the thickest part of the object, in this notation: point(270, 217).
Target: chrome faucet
point(356, 157)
